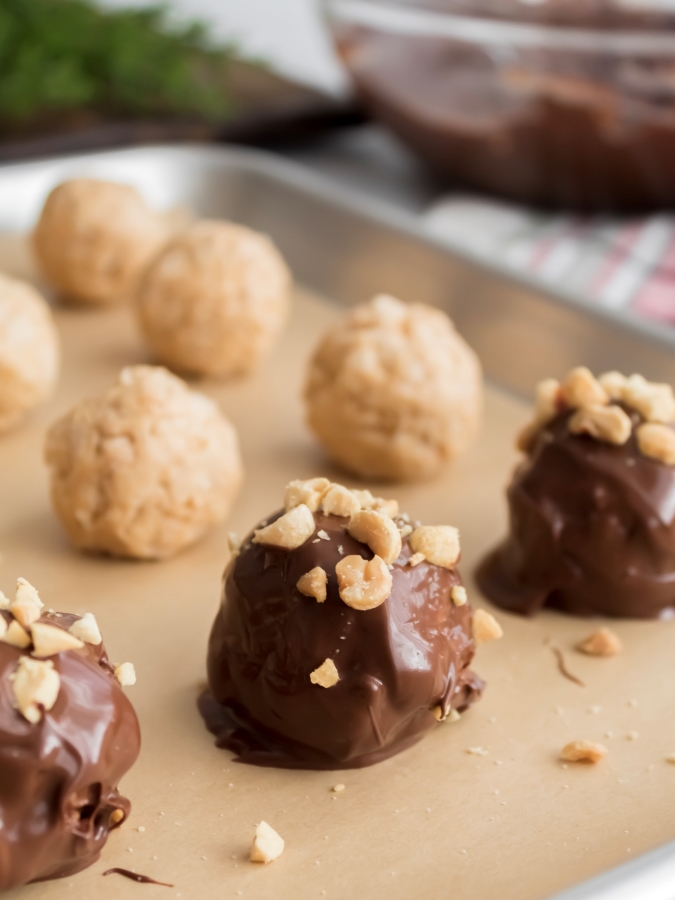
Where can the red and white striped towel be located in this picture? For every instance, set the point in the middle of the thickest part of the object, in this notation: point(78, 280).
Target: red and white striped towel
point(614, 262)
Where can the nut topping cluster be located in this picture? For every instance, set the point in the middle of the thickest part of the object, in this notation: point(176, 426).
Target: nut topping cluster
point(364, 584)
point(289, 531)
point(378, 531)
point(35, 682)
point(593, 402)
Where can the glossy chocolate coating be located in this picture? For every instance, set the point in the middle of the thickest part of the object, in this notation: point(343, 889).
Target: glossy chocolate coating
point(396, 662)
point(58, 778)
point(591, 531)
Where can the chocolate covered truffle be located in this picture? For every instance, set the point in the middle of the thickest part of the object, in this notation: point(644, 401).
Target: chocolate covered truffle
point(67, 736)
point(344, 634)
point(592, 504)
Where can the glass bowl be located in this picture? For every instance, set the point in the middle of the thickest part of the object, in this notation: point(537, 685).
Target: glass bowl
point(564, 103)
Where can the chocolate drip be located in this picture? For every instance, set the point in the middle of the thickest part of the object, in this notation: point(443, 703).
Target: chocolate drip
point(562, 666)
point(134, 876)
point(396, 662)
point(592, 530)
point(58, 778)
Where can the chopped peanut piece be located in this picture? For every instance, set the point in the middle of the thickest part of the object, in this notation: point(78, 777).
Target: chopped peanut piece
point(458, 595)
point(125, 674)
point(485, 627)
point(378, 531)
point(416, 559)
point(580, 389)
point(339, 501)
point(289, 531)
point(86, 629)
point(367, 501)
point(605, 423)
point(614, 384)
point(116, 816)
point(233, 543)
point(405, 530)
point(546, 407)
point(657, 442)
point(36, 686)
point(583, 751)
point(48, 640)
point(338, 788)
point(546, 400)
point(603, 642)
point(438, 543)
point(267, 844)
point(653, 401)
point(17, 636)
point(365, 498)
point(527, 434)
point(363, 584)
point(313, 584)
point(451, 715)
point(308, 493)
point(26, 605)
point(386, 507)
point(326, 674)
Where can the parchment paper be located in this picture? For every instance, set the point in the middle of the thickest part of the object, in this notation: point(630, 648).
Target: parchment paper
point(434, 822)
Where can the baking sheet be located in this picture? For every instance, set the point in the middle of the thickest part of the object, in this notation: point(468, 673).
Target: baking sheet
point(348, 246)
point(435, 821)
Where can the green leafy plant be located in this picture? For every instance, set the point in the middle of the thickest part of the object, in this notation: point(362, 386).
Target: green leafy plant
point(64, 56)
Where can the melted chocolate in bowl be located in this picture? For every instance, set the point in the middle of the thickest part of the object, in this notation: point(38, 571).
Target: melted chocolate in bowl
point(540, 125)
point(58, 778)
point(396, 662)
point(592, 530)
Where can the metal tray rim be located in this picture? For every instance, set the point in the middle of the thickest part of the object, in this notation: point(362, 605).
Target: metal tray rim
point(376, 210)
point(650, 876)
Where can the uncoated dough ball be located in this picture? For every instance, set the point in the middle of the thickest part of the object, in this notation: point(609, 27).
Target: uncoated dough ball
point(143, 469)
point(29, 351)
point(94, 239)
point(393, 392)
point(215, 299)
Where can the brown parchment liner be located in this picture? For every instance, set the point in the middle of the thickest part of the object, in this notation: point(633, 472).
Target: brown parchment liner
point(433, 822)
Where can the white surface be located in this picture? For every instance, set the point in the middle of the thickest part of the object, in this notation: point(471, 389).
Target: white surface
point(288, 34)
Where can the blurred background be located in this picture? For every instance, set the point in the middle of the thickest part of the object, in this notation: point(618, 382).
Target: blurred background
point(289, 34)
point(540, 133)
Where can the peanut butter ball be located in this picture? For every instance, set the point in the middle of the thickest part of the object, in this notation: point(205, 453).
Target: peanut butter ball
point(94, 239)
point(344, 634)
point(393, 392)
point(29, 351)
point(143, 469)
point(215, 300)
